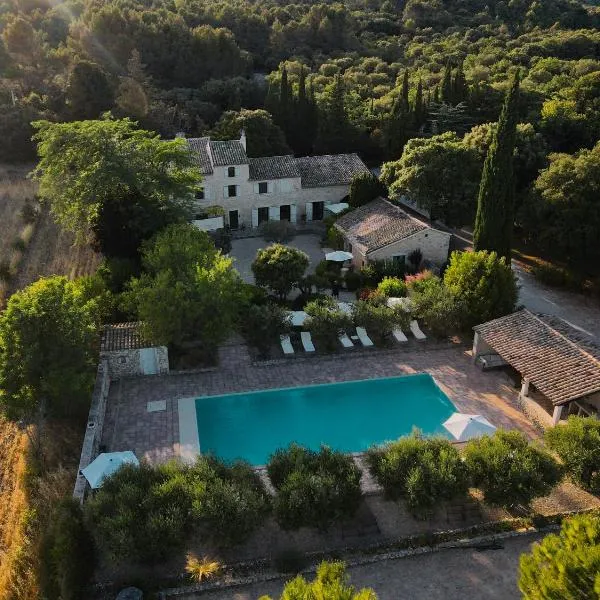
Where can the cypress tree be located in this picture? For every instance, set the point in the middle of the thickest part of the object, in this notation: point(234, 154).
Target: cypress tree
point(405, 91)
point(419, 111)
point(312, 125)
point(436, 94)
point(302, 138)
point(284, 115)
point(460, 91)
point(446, 91)
point(494, 220)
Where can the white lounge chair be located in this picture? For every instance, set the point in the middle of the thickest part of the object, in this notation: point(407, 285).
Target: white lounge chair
point(365, 340)
point(399, 335)
point(416, 330)
point(286, 344)
point(345, 340)
point(307, 341)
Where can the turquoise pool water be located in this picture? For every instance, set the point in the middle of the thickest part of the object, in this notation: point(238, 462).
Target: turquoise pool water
point(349, 416)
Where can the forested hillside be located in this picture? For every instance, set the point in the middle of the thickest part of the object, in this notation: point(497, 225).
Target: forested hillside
point(364, 75)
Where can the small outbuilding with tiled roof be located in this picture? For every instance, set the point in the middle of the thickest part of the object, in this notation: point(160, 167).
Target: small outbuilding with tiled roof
point(554, 359)
point(128, 353)
point(381, 230)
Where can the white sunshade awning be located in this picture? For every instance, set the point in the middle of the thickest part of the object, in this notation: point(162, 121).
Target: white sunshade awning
point(337, 208)
point(467, 427)
point(105, 464)
point(297, 317)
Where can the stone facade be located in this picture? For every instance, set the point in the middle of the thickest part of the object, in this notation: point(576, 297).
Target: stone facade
point(252, 191)
point(129, 363)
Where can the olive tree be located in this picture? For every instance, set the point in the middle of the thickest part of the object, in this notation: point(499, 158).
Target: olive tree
point(279, 268)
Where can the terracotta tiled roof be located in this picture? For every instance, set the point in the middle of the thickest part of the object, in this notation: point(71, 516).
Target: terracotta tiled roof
point(558, 360)
point(199, 149)
point(123, 336)
point(331, 169)
point(230, 152)
point(273, 167)
point(378, 224)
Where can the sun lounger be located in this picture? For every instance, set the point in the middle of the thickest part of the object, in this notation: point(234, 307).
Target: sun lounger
point(345, 340)
point(307, 341)
point(365, 340)
point(286, 344)
point(399, 335)
point(416, 330)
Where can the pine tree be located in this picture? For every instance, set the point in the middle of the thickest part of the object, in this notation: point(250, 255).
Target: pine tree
point(494, 220)
point(446, 91)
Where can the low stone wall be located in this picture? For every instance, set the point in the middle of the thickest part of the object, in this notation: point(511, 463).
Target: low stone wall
point(93, 432)
point(535, 412)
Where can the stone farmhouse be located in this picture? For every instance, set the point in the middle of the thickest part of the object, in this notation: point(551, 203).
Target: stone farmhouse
point(381, 230)
point(271, 188)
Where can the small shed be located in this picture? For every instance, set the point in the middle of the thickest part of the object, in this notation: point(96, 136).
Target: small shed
point(129, 354)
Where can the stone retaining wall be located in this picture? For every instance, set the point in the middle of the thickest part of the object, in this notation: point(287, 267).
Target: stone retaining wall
point(93, 432)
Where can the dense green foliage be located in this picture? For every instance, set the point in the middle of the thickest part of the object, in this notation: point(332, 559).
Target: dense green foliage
point(68, 554)
point(187, 291)
point(483, 283)
point(392, 287)
point(378, 318)
point(509, 470)
point(48, 347)
point(314, 489)
point(262, 324)
point(144, 513)
point(578, 444)
point(495, 204)
point(423, 472)
point(107, 176)
point(279, 268)
point(364, 188)
point(564, 565)
point(331, 583)
point(325, 322)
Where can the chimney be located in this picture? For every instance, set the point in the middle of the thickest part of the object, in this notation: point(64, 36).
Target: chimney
point(243, 138)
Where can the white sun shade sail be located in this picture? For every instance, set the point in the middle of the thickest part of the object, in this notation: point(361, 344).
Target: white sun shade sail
point(105, 464)
point(467, 427)
point(297, 317)
point(337, 208)
point(338, 256)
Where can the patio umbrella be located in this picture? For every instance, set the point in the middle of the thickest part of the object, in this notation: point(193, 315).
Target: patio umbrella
point(297, 317)
point(106, 464)
point(466, 427)
point(338, 256)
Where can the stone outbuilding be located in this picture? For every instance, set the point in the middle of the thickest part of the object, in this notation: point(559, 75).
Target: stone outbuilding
point(381, 230)
point(559, 365)
point(127, 353)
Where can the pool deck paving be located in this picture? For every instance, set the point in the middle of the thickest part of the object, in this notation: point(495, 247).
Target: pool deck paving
point(154, 435)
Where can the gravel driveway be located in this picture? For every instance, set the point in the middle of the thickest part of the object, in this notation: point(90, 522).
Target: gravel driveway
point(448, 575)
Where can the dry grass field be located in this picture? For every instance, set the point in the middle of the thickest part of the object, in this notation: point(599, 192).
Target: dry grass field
point(32, 247)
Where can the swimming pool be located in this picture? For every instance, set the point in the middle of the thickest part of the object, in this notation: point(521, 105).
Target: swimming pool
point(348, 416)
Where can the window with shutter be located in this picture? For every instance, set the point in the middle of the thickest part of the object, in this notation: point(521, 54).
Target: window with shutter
point(263, 187)
point(230, 171)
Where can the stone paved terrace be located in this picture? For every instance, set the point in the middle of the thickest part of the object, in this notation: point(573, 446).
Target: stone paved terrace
point(155, 435)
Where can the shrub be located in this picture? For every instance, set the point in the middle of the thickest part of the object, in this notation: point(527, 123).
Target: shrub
point(509, 470)
point(422, 471)
point(335, 239)
point(353, 280)
point(375, 271)
point(439, 309)
point(392, 287)
point(484, 283)
point(278, 231)
point(415, 282)
point(262, 324)
point(557, 276)
point(67, 553)
point(377, 318)
point(314, 489)
point(564, 565)
point(364, 188)
point(577, 442)
point(201, 568)
point(326, 321)
point(331, 582)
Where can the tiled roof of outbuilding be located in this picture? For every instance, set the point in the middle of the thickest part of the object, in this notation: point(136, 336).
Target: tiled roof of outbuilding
point(378, 223)
point(559, 360)
point(273, 167)
point(330, 169)
point(230, 152)
point(123, 336)
point(198, 146)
